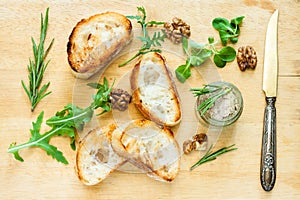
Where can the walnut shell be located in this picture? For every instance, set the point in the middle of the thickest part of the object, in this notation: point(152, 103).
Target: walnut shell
point(246, 58)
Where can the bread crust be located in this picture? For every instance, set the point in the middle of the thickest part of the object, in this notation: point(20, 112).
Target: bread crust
point(170, 85)
point(132, 144)
point(89, 48)
point(95, 158)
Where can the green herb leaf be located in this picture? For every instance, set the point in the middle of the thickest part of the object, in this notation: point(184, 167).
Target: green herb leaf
point(198, 53)
point(237, 21)
point(183, 72)
point(210, 156)
point(220, 23)
point(148, 41)
point(64, 123)
point(218, 61)
point(185, 45)
point(211, 40)
point(224, 36)
point(228, 30)
point(39, 140)
point(155, 23)
point(136, 17)
point(214, 91)
point(37, 67)
point(234, 40)
point(227, 54)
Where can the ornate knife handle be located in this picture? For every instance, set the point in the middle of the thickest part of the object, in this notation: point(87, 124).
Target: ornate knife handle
point(268, 150)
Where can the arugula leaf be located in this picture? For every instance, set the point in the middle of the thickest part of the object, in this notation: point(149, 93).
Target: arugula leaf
point(147, 40)
point(228, 30)
point(39, 140)
point(64, 123)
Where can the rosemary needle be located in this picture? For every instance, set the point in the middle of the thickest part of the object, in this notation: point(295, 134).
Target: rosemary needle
point(209, 156)
point(37, 67)
point(216, 93)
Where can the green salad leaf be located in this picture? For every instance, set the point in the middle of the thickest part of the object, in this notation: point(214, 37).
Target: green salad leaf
point(228, 30)
point(64, 123)
point(198, 53)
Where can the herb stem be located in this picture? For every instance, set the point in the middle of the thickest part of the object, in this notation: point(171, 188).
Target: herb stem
point(209, 156)
point(208, 103)
point(67, 119)
point(32, 143)
point(140, 52)
point(37, 67)
point(64, 123)
point(148, 41)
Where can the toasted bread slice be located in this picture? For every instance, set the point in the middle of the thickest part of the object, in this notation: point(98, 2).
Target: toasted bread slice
point(149, 147)
point(96, 41)
point(154, 91)
point(95, 158)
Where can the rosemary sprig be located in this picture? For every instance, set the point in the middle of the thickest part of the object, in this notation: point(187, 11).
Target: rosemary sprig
point(37, 67)
point(155, 40)
point(64, 123)
point(216, 92)
point(209, 156)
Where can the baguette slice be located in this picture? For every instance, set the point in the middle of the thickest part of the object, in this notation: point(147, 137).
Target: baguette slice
point(154, 91)
point(149, 147)
point(95, 158)
point(96, 41)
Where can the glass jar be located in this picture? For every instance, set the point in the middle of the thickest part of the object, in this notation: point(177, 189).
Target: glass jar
point(225, 110)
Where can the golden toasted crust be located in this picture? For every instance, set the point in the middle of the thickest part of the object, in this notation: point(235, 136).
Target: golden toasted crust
point(96, 41)
point(95, 158)
point(151, 148)
point(137, 97)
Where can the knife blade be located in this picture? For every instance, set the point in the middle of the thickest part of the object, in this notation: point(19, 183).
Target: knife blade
point(268, 148)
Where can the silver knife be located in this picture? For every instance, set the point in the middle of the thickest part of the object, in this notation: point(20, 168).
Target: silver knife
point(268, 149)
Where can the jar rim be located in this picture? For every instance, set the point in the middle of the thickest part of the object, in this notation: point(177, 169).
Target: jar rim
point(212, 121)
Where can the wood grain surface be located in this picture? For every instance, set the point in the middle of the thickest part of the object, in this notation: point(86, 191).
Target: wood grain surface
point(232, 176)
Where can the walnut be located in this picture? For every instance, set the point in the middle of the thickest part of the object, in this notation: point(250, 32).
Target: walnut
point(201, 141)
point(120, 99)
point(177, 29)
point(188, 146)
point(246, 58)
point(198, 142)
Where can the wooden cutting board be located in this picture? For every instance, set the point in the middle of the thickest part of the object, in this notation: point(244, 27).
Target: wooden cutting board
point(232, 176)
